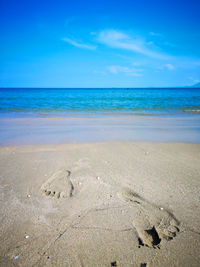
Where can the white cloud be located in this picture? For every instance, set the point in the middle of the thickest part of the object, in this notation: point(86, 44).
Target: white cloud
point(115, 69)
point(170, 66)
point(164, 67)
point(117, 39)
point(79, 45)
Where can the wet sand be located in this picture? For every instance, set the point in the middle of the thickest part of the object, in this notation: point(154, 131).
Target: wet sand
point(102, 128)
point(100, 204)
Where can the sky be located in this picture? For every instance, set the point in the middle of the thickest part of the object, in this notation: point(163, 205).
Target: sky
point(96, 44)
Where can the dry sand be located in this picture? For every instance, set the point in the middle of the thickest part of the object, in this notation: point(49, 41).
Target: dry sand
point(100, 204)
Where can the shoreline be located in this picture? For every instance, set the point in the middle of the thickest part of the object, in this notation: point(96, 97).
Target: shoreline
point(96, 114)
point(91, 204)
point(25, 131)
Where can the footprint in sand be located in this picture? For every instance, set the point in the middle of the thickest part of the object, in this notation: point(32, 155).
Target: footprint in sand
point(153, 224)
point(58, 185)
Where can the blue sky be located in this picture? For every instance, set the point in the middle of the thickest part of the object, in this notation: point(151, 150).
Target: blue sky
point(99, 43)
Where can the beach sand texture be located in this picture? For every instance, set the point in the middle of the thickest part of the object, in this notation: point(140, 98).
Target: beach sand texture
point(100, 204)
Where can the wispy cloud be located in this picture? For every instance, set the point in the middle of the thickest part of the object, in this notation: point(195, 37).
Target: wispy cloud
point(79, 45)
point(117, 39)
point(193, 80)
point(160, 39)
point(170, 66)
point(115, 69)
point(164, 67)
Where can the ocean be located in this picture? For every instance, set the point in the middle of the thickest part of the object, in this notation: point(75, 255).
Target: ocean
point(54, 116)
point(64, 102)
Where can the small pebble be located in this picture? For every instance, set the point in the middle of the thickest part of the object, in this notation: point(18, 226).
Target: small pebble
point(80, 183)
point(28, 195)
point(161, 208)
point(26, 236)
point(115, 263)
point(15, 257)
point(98, 177)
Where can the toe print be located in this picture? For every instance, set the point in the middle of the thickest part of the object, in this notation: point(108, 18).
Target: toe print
point(58, 185)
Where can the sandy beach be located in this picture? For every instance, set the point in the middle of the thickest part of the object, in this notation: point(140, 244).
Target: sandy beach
point(99, 133)
point(100, 204)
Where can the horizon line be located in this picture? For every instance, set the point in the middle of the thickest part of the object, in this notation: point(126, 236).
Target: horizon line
point(126, 88)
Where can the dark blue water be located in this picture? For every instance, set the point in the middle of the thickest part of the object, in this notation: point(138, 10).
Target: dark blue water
point(37, 101)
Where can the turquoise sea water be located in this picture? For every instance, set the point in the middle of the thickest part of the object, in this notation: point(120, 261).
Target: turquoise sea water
point(50, 102)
